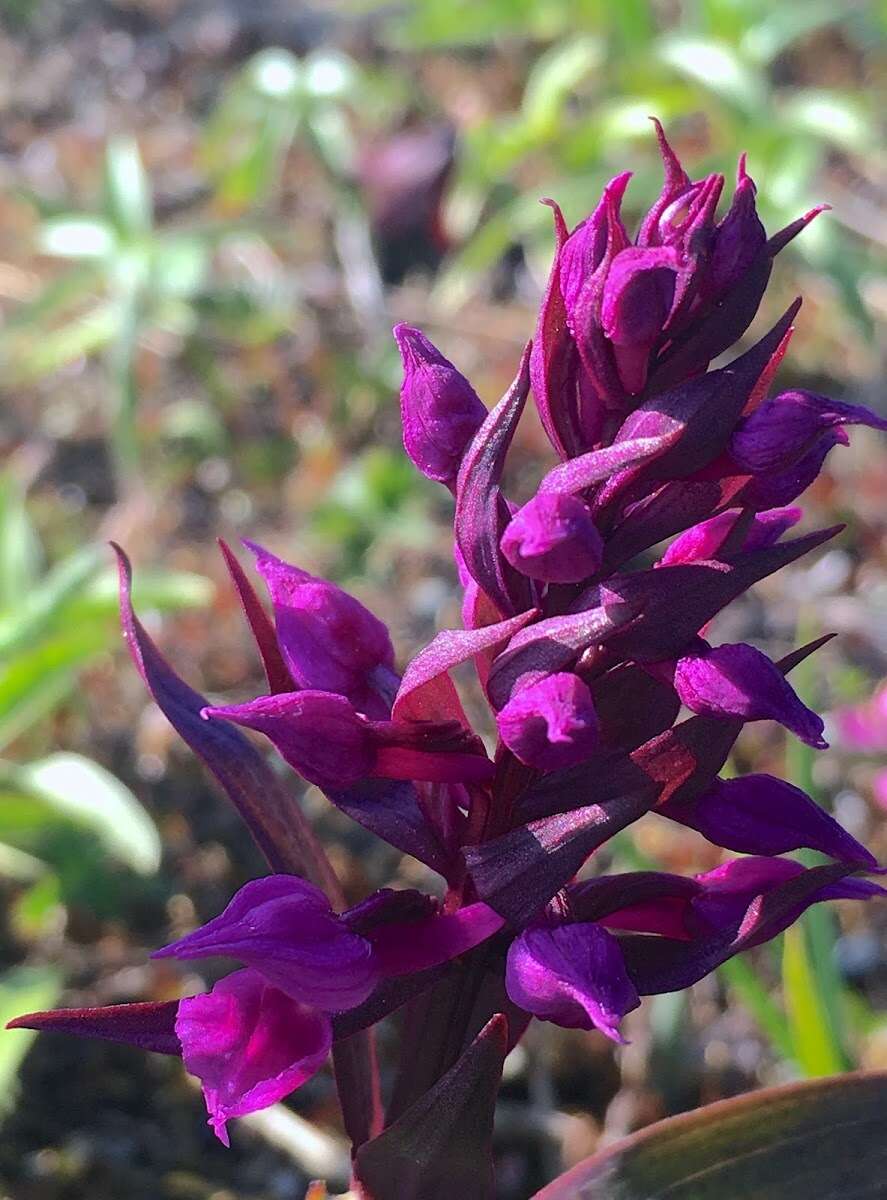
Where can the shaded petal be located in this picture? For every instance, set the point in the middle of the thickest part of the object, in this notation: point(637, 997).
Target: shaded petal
point(285, 929)
point(636, 304)
point(759, 814)
point(249, 1045)
point(440, 410)
point(276, 671)
point(572, 975)
point(783, 429)
point(400, 949)
point(551, 724)
point(739, 681)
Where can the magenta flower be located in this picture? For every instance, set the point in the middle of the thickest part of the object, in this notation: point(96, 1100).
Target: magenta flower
point(586, 654)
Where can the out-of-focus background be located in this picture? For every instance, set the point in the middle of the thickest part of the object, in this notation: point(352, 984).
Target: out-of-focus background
point(211, 214)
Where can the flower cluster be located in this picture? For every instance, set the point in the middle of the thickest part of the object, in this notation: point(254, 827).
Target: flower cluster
point(588, 642)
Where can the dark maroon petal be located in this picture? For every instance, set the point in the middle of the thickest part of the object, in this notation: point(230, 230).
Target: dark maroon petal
point(272, 815)
point(572, 975)
point(518, 872)
point(279, 678)
point(481, 511)
point(739, 239)
point(391, 809)
point(600, 898)
point(150, 1026)
point(440, 410)
point(441, 1146)
point(551, 645)
point(759, 814)
point(554, 361)
point(674, 603)
point(401, 949)
point(632, 707)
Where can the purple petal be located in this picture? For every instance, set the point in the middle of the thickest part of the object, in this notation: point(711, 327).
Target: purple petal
point(272, 816)
point(329, 640)
point(553, 538)
point(440, 410)
point(783, 429)
point(391, 809)
point(150, 1026)
point(250, 1045)
point(582, 472)
point(782, 487)
point(675, 185)
point(759, 814)
point(572, 975)
point(636, 303)
point(551, 724)
point(704, 541)
point(739, 681)
point(481, 510)
point(285, 929)
point(426, 692)
point(318, 733)
point(739, 239)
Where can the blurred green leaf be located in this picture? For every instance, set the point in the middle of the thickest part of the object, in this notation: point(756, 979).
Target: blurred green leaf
point(22, 989)
point(833, 116)
point(19, 546)
point(817, 1048)
point(741, 976)
point(35, 609)
point(554, 76)
point(717, 67)
point(128, 202)
point(40, 677)
point(153, 589)
point(80, 789)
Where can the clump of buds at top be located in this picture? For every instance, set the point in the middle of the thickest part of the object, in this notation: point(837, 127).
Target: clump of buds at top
point(586, 654)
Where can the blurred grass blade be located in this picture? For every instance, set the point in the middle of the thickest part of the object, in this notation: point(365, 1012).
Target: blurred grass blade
point(716, 66)
point(822, 1139)
point(37, 606)
point(128, 202)
point(19, 545)
point(741, 977)
point(82, 790)
point(555, 75)
point(157, 590)
point(22, 989)
point(38, 679)
point(817, 1046)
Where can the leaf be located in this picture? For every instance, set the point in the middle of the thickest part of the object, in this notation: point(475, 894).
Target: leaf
point(555, 75)
point(41, 603)
point(817, 1043)
point(128, 202)
point(716, 66)
point(822, 1139)
point(161, 591)
point(19, 545)
point(40, 678)
point(80, 789)
point(22, 989)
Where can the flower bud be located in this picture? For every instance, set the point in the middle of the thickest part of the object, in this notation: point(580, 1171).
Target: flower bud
point(440, 410)
point(553, 538)
point(551, 724)
point(784, 429)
